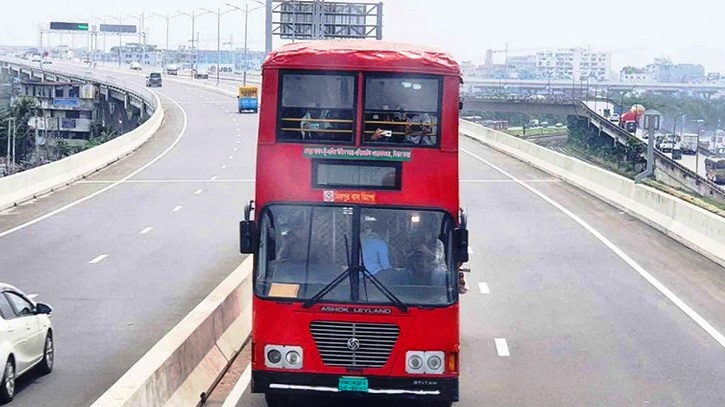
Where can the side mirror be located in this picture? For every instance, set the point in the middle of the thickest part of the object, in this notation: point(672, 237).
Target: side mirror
point(460, 245)
point(248, 237)
point(41, 308)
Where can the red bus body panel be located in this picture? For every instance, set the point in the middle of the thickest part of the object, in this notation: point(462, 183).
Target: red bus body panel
point(430, 180)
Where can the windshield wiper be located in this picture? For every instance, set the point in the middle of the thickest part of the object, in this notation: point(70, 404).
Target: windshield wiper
point(346, 274)
point(334, 283)
point(366, 273)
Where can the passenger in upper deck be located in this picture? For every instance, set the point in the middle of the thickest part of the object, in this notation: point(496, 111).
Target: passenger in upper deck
point(315, 119)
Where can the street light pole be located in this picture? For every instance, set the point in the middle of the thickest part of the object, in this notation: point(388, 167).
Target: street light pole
point(246, 32)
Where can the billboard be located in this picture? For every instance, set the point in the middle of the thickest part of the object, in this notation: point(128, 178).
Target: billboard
point(316, 19)
point(118, 28)
point(60, 25)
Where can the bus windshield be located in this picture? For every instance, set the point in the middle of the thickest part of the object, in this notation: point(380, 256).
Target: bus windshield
point(305, 248)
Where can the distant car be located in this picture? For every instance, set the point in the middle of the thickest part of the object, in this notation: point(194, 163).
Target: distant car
point(135, 66)
point(36, 58)
point(172, 69)
point(153, 79)
point(47, 61)
point(544, 124)
point(614, 118)
point(200, 75)
point(667, 146)
point(559, 125)
point(26, 338)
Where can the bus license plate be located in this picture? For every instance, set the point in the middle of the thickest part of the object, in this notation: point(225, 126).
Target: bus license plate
point(359, 384)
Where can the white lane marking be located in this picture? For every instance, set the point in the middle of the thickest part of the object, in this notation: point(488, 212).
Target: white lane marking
point(239, 141)
point(213, 178)
point(236, 149)
point(177, 208)
point(170, 181)
point(198, 191)
point(502, 348)
point(145, 230)
point(483, 287)
point(699, 320)
point(231, 157)
point(238, 390)
point(224, 166)
point(239, 135)
point(509, 181)
point(470, 250)
point(93, 195)
point(98, 259)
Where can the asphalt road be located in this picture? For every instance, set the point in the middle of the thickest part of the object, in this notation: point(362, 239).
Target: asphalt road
point(582, 326)
point(169, 234)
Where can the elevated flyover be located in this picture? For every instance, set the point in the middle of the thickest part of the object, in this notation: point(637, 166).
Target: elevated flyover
point(667, 170)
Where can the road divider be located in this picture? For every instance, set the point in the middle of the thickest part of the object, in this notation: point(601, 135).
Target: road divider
point(186, 363)
point(696, 228)
point(26, 185)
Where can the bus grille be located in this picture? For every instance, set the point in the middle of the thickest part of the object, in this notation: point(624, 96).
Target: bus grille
point(354, 344)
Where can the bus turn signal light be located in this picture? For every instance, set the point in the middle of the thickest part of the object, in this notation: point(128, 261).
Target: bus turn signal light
point(452, 363)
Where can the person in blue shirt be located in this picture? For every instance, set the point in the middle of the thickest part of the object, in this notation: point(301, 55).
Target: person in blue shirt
point(374, 250)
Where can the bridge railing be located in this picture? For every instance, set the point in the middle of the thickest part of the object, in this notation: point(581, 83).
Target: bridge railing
point(31, 183)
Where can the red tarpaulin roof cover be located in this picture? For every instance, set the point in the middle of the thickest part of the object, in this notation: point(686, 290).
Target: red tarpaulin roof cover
point(369, 55)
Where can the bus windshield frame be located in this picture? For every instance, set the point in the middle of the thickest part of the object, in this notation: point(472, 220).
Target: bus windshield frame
point(296, 260)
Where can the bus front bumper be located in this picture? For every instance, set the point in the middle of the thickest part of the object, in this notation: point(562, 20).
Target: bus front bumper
point(443, 389)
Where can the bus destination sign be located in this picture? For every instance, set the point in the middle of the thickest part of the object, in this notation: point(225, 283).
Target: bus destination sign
point(358, 197)
point(355, 153)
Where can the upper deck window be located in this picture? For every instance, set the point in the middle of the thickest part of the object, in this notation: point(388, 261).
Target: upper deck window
point(402, 110)
point(317, 107)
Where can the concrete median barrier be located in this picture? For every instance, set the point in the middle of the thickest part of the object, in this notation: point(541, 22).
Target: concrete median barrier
point(187, 362)
point(26, 185)
point(692, 226)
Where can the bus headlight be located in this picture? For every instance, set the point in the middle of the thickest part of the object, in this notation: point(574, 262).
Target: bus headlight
point(283, 357)
point(273, 356)
point(434, 362)
point(293, 357)
point(414, 362)
point(418, 362)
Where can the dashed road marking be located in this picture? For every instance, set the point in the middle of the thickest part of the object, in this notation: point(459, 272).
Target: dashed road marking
point(483, 287)
point(676, 301)
point(502, 348)
point(177, 208)
point(145, 230)
point(214, 178)
point(198, 191)
point(98, 259)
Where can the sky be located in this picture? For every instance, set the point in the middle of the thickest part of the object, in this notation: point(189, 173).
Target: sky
point(634, 32)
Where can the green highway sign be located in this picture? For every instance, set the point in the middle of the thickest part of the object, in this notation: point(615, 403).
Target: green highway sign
point(66, 26)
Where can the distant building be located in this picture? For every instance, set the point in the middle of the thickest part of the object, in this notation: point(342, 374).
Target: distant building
point(665, 71)
point(65, 111)
point(573, 63)
point(522, 67)
point(630, 74)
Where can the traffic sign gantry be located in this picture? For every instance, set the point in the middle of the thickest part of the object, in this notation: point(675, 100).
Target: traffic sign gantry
point(60, 25)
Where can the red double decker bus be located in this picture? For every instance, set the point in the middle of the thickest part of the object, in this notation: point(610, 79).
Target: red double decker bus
point(356, 230)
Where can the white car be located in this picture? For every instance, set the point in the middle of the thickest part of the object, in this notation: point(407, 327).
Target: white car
point(26, 338)
point(667, 146)
point(135, 66)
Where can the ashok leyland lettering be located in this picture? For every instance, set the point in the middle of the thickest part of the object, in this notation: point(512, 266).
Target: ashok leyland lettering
point(355, 229)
